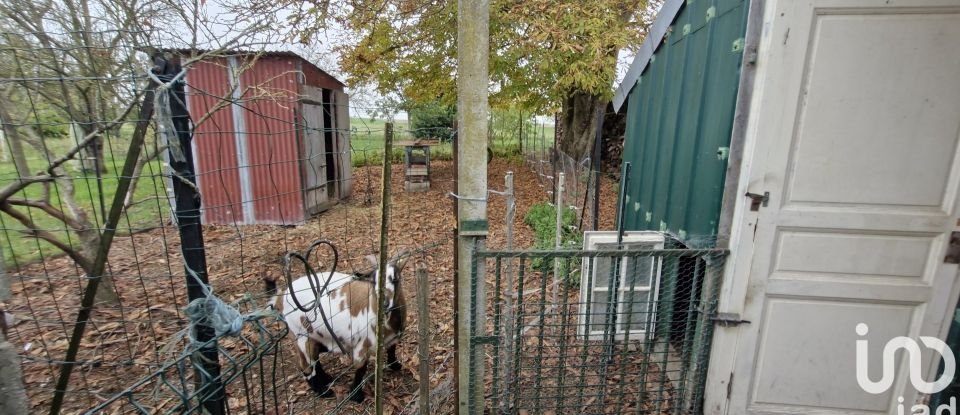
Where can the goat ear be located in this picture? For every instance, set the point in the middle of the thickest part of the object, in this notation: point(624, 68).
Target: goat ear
point(373, 260)
point(401, 261)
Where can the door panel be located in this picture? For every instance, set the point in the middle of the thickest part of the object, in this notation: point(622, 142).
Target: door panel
point(813, 253)
point(855, 135)
point(341, 102)
point(800, 332)
point(314, 163)
point(877, 95)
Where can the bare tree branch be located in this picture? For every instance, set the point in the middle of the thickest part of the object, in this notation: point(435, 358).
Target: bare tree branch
point(22, 183)
point(35, 231)
point(137, 170)
point(47, 208)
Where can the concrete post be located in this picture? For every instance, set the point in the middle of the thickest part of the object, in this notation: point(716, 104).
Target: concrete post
point(473, 21)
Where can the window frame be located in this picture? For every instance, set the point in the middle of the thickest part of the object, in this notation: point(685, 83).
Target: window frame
point(593, 241)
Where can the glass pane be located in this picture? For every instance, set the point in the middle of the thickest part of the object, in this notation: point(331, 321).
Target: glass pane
point(601, 266)
point(598, 310)
point(638, 272)
point(601, 275)
point(637, 309)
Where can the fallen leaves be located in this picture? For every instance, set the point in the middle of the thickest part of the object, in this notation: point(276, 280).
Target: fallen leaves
point(122, 344)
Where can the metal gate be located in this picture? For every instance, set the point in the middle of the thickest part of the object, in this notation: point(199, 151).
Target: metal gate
point(592, 331)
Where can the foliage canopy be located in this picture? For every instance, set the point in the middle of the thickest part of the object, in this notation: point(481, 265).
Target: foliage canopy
point(541, 51)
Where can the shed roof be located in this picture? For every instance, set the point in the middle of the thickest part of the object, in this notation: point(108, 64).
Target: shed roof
point(241, 52)
point(668, 12)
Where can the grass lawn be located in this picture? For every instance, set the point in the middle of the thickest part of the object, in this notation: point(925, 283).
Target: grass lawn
point(149, 206)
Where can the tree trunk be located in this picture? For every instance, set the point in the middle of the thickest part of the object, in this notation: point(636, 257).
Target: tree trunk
point(15, 141)
point(90, 242)
point(92, 159)
point(94, 152)
point(579, 124)
point(89, 237)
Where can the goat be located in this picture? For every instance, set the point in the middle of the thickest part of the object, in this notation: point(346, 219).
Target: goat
point(350, 307)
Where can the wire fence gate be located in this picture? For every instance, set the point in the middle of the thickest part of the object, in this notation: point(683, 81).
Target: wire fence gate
point(605, 330)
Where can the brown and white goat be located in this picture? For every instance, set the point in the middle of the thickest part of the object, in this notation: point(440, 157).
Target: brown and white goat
point(350, 307)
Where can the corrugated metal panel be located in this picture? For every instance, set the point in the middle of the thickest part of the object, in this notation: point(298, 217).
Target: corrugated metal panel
point(314, 76)
point(270, 99)
point(214, 143)
point(656, 33)
point(679, 118)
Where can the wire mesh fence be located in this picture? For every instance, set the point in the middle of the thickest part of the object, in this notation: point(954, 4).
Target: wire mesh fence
point(252, 366)
point(58, 197)
point(99, 162)
point(627, 330)
point(580, 180)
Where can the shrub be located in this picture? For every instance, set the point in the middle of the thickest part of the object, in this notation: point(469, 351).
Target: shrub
point(542, 217)
point(432, 120)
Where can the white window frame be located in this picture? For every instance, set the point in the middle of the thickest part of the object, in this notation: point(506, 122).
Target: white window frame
point(592, 241)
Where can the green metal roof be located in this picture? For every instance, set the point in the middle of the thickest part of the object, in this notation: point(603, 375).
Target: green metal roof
point(679, 117)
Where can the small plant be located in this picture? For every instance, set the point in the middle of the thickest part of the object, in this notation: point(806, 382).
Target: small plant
point(542, 217)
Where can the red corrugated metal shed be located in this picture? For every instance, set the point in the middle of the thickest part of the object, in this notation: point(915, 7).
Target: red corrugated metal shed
point(272, 142)
point(215, 143)
point(249, 151)
point(320, 79)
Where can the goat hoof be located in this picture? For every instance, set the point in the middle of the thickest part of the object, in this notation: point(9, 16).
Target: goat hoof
point(327, 393)
point(358, 396)
point(322, 387)
point(394, 366)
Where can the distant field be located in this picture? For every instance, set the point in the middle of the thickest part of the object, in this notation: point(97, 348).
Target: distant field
point(366, 141)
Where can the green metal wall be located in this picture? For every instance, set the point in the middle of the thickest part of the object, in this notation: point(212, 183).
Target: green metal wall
point(679, 118)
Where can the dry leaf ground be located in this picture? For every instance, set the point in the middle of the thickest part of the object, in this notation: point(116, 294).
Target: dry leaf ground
point(124, 343)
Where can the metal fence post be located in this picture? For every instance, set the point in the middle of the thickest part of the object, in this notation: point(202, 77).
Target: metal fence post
point(187, 212)
point(558, 243)
point(106, 240)
point(423, 322)
point(506, 350)
point(473, 38)
point(385, 180)
point(597, 167)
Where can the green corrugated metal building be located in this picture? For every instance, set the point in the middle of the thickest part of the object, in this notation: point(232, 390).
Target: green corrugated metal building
point(680, 94)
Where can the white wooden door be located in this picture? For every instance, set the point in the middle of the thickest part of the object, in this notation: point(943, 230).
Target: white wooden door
point(854, 133)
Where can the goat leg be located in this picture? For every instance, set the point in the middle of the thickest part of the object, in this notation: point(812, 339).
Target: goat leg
point(392, 362)
point(356, 390)
point(321, 382)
